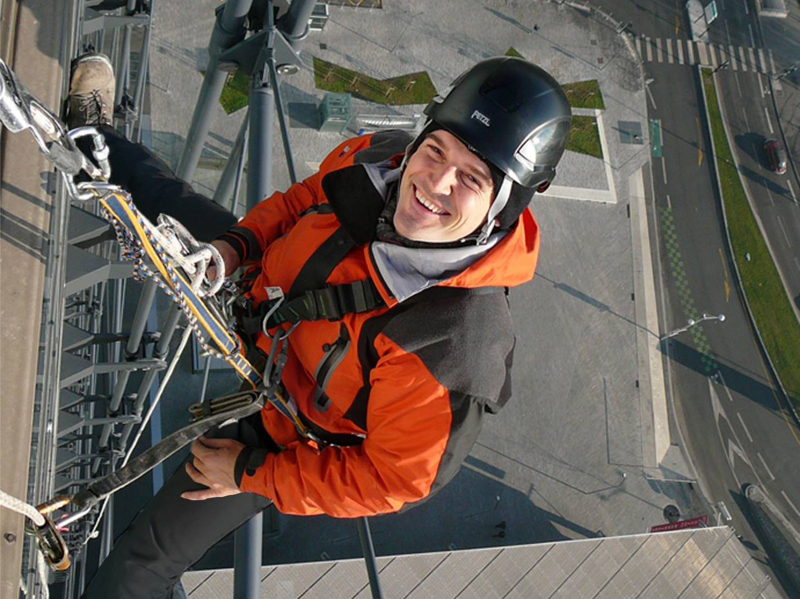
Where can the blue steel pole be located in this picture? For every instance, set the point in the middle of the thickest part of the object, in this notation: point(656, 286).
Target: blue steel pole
point(259, 146)
point(369, 557)
point(229, 30)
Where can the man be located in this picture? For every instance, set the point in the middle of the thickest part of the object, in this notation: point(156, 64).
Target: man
point(396, 254)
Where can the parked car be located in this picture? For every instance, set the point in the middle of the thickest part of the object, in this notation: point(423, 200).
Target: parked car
point(777, 155)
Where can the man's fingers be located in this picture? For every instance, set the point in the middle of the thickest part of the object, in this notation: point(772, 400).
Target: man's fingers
point(199, 495)
point(196, 475)
point(216, 443)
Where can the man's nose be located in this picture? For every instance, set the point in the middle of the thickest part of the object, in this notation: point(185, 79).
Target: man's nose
point(443, 179)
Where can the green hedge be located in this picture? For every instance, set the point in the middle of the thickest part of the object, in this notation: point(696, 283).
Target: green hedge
point(772, 311)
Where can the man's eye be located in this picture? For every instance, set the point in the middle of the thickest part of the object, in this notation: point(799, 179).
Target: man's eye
point(436, 150)
point(474, 180)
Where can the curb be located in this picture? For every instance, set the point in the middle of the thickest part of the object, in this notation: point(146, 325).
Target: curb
point(774, 372)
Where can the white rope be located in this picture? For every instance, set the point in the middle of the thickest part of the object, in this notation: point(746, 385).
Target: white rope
point(21, 507)
point(17, 505)
point(153, 403)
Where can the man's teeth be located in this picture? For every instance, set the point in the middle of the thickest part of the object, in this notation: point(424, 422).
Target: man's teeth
point(428, 205)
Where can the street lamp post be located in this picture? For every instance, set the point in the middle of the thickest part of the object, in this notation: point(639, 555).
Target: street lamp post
point(691, 322)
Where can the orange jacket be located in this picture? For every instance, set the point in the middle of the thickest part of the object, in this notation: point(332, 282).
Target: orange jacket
point(412, 380)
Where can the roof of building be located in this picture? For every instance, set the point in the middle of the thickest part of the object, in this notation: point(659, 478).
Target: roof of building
point(702, 563)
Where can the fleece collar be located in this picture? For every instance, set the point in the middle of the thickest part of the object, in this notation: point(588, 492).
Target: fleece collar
point(406, 271)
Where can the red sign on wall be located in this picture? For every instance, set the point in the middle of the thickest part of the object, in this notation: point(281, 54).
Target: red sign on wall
point(700, 522)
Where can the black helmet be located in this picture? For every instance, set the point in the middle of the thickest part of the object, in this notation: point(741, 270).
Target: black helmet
point(516, 117)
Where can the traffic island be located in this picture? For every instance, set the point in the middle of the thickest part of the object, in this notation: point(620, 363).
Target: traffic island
point(765, 295)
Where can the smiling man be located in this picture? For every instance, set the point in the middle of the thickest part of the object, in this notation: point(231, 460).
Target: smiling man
point(393, 262)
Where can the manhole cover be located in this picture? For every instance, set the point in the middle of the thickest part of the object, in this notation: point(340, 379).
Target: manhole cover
point(630, 132)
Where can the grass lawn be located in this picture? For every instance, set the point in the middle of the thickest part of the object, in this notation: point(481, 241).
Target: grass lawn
point(414, 88)
point(513, 52)
point(773, 314)
point(584, 137)
point(584, 94)
point(234, 92)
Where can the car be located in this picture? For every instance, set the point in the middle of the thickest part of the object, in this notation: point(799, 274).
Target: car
point(777, 155)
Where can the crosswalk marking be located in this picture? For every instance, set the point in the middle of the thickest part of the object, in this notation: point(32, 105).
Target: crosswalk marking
point(671, 51)
point(701, 52)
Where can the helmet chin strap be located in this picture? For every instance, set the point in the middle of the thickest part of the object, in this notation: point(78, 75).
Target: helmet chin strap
point(500, 201)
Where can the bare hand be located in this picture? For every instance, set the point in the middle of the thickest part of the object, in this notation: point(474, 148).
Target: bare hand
point(230, 257)
point(214, 465)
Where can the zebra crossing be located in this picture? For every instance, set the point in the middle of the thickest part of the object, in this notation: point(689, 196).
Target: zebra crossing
point(689, 52)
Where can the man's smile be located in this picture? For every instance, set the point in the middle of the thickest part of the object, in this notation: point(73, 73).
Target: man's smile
point(428, 205)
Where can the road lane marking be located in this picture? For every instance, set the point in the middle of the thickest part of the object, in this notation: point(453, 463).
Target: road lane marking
point(791, 190)
point(738, 85)
point(669, 204)
point(760, 86)
point(679, 44)
point(733, 57)
point(727, 31)
point(699, 143)
point(664, 169)
point(742, 59)
point(797, 263)
point(677, 24)
point(746, 121)
point(744, 426)
point(769, 122)
point(658, 49)
point(752, 39)
point(725, 269)
point(771, 63)
point(789, 501)
point(753, 62)
point(690, 52)
point(763, 463)
point(778, 405)
point(702, 56)
point(763, 63)
point(649, 49)
point(638, 42)
point(769, 195)
point(668, 50)
point(780, 222)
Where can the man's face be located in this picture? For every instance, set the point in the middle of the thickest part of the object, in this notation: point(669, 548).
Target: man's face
point(445, 192)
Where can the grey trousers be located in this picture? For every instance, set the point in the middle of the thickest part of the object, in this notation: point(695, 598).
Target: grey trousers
point(170, 533)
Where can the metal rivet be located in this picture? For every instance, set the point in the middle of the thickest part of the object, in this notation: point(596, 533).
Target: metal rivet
point(326, 347)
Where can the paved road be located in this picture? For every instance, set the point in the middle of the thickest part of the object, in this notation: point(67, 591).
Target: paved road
point(736, 431)
point(752, 120)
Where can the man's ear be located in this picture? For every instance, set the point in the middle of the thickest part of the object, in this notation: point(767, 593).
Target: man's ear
point(543, 187)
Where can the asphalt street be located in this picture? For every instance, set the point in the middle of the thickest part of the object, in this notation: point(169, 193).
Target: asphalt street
point(750, 115)
point(727, 402)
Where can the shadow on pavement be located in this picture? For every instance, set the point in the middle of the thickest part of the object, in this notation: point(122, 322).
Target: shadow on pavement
point(750, 385)
point(474, 511)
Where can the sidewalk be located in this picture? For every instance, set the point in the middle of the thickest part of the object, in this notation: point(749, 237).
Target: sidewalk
point(782, 38)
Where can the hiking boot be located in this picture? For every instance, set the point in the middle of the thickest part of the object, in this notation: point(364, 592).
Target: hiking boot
point(91, 91)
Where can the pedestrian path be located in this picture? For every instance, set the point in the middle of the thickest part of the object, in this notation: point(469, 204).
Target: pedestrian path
point(689, 52)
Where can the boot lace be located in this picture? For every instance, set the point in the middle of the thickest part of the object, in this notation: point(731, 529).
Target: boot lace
point(92, 108)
